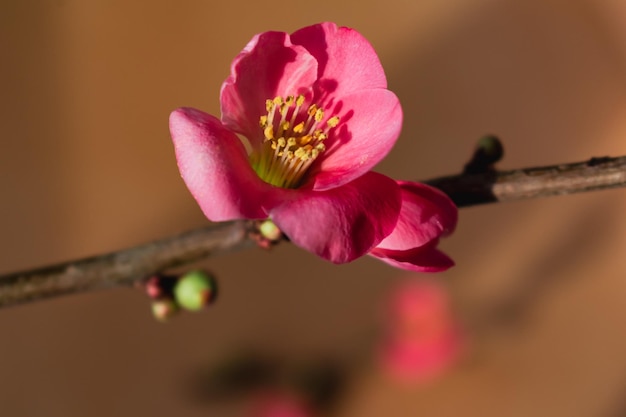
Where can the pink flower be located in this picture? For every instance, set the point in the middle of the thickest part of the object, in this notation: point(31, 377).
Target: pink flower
point(423, 337)
point(313, 115)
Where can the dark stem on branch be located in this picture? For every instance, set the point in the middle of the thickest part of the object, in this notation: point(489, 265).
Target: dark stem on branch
point(125, 267)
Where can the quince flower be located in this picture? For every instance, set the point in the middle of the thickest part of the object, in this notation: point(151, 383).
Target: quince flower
point(304, 118)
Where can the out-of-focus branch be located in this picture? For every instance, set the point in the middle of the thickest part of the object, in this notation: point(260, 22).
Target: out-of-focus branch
point(125, 267)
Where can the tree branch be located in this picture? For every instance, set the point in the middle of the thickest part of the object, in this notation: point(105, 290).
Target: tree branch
point(125, 267)
point(521, 184)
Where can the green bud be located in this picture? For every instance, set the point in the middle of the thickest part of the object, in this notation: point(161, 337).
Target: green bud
point(270, 231)
point(194, 290)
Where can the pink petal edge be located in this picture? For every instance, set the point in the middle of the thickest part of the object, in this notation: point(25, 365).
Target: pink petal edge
point(215, 167)
point(423, 259)
point(343, 223)
point(427, 213)
point(370, 123)
point(269, 66)
point(347, 62)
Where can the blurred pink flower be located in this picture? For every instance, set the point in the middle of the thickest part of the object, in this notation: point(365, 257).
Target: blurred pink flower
point(423, 337)
point(314, 115)
point(279, 405)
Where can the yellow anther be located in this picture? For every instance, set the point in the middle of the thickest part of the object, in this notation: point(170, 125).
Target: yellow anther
point(319, 115)
point(299, 153)
point(269, 132)
point(315, 153)
point(278, 100)
point(304, 140)
point(263, 121)
point(333, 121)
point(268, 105)
point(289, 100)
point(299, 128)
point(300, 100)
point(312, 110)
point(322, 137)
point(285, 125)
point(281, 142)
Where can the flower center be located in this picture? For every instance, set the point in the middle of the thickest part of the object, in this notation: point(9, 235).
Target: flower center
point(293, 138)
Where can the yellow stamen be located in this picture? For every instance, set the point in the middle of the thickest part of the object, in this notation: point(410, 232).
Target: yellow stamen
point(293, 139)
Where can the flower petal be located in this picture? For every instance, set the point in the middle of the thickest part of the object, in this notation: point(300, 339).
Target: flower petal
point(344, 223)
point(269, 66)
point(347, 62)
point(426, 214)
point(369, 125)
point(214, 165)
point(423, 259)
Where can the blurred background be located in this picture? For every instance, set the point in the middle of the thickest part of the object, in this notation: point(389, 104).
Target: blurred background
point(87, 166)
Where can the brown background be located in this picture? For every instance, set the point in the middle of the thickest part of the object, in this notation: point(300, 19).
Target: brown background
point(86, 166)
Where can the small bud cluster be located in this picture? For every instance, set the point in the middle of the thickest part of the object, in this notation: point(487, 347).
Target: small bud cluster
point(170, 294)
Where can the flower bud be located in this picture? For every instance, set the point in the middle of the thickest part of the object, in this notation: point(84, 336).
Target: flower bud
point(489, 150)
point(270, 231)
point(492, 148)
point(164, 309)
point(159, 286)
point(195, 290)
